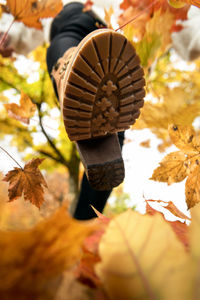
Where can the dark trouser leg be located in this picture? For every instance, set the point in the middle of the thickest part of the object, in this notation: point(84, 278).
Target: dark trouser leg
point(68, 29)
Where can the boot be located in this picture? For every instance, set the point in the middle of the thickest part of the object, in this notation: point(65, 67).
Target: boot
point(101, 89)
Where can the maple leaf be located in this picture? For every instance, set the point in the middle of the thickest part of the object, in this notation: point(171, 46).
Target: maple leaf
point(32, 261)
point(27, 181)
point(143, 12)
point(138, 263)
point(176, 166)
point(22, 112)
point(173, 168)
point(176, 106)
point(31, 11)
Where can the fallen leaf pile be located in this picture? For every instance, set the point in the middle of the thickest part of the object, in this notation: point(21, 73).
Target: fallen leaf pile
point(130, 256)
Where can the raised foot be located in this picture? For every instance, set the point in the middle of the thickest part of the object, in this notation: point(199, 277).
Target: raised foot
point(104, 86)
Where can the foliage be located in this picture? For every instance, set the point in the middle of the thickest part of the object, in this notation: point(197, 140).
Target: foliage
point(176, 166)
point(45, 254)
point(30, 12)
point(27, 181)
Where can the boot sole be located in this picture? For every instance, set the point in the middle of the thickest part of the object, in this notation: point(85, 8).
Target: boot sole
point(103, 91)
point(104, 86)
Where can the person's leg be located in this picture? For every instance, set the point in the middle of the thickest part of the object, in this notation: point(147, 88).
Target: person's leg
point(88, 196)
point(68, 29)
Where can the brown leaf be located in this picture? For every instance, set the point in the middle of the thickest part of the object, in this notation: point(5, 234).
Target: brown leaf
point(32, 261)
point(145, 144)
point(31, 11)
point(22, 112)
point(28, 181)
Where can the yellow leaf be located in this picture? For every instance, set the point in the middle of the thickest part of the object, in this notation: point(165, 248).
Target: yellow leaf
point(192, 187)
point(28, 181)
point(32, 261)
point(141, 258)
point(172, 168)
point(22, 112)
point(108, 16)
point(31, 11)
point(182, 3)
point(194, 230)
point(177, 165)
point(182, 137)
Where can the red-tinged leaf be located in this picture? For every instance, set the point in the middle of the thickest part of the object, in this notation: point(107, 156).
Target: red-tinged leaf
point(22, 112)
point(182, 232)
point(179, 228)
point(141, 258)
point(101, 217)
point(27, 181)
point(88, 5)
point(85, 270)
point(173, 209)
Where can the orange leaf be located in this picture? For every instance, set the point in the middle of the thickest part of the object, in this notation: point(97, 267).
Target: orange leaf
point(88, 5)
point(28, 181)
point(33, 261)
point(22, 112)
point(31, 11)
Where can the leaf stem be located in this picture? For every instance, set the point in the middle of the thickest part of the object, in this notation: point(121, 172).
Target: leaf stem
point(6, 33)
point(138, 15)
point(11, 157)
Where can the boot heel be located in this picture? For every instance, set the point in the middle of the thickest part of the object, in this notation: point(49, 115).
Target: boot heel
point(102, 161)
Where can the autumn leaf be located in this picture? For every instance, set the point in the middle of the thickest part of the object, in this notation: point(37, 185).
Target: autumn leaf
point(169, 205)
point(139, 259)
point(32, 261)
point(179, 228)
point(22, 112)
point(173, 168)
point(176, 166)
point(174, 107)
point(27, 181)
point(31, 11)
point(88, 5)
point(108, 16)
point(145, 144)
point(143, 12)
point(182, 3)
